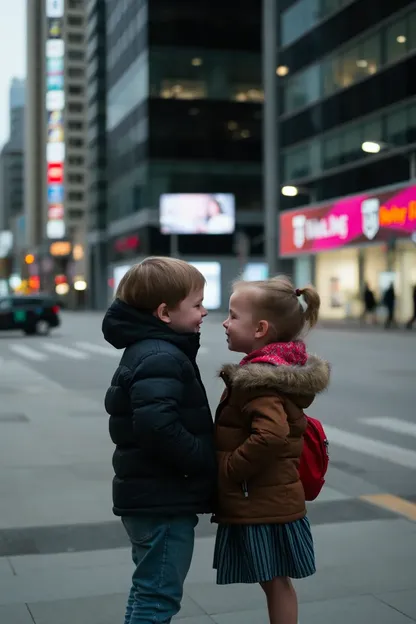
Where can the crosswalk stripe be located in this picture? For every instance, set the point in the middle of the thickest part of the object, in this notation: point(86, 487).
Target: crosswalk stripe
point(375, 448)
point(60, 349)
point(100, 349)
point(392, 424)
point(27, 352)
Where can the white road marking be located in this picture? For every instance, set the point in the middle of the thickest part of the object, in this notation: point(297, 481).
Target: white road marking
point(100, 349)
point(27, 352)
point(60, 349)
point(392, 424)
point(368, 446)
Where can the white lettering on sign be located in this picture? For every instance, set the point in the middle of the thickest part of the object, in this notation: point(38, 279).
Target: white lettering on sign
point(305, 229)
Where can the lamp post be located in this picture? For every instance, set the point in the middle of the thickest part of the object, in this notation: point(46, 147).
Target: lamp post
point(271, 149)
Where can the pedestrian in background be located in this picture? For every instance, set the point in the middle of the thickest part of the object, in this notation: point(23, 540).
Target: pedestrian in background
point(161, 424)
point(264, 534)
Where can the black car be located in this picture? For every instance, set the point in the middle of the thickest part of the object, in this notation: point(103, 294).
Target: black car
point(34, 314)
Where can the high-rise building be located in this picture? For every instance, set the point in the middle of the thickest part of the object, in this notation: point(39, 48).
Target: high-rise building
point(12, 182)
point(97, 152)
point(183, 95)
point(55, 173)
point(348, 141)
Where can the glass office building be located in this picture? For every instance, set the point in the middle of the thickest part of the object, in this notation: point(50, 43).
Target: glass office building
point(183, 98)
point(347, 72)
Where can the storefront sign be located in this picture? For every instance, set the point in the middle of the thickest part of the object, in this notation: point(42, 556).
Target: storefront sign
point(349, 221)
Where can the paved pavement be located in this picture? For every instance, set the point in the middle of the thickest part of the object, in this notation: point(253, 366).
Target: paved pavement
point(64, 557)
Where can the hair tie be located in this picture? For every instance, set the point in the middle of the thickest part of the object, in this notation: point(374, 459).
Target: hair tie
point(298, 292)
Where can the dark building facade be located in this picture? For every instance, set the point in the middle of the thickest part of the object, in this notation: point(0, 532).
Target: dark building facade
point(97, 151)
point(347, 78)
point(350, 80)
point(183, 93)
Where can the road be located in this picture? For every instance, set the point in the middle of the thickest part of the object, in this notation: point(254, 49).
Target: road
point(55, 453)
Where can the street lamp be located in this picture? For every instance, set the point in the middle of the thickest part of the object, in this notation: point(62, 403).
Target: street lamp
point(375, 147)
point(290, 190)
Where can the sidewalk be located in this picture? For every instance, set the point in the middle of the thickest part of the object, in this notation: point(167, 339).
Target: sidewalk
point(363, 576)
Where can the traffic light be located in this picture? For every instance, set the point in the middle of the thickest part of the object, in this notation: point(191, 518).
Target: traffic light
point(29, 258)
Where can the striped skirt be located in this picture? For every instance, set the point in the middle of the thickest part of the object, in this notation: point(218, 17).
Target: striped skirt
point(261, 552)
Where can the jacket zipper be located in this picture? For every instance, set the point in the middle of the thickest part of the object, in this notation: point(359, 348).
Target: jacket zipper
point(245, 489)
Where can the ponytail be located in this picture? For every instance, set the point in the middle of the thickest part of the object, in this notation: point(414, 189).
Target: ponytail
point(313, 303)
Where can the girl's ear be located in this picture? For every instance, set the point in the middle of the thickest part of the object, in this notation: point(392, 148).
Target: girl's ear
point(262, 329)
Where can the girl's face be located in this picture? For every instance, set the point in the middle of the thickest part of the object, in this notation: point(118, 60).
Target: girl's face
point(244, 333)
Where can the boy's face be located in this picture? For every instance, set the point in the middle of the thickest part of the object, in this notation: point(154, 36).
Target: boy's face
point(188, 315)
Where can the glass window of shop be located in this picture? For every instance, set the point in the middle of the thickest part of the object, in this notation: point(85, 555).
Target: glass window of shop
point(332, 151)
point(302, 89)
point(195, 74)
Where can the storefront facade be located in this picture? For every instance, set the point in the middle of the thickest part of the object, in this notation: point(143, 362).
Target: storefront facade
point(339, 246)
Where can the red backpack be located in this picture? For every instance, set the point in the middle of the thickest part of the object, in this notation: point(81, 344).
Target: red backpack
point(314, 459)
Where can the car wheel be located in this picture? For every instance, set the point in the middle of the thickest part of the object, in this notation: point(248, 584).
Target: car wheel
point(42, 328)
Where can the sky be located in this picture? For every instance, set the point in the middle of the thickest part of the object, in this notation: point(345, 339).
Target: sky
point(12, 55)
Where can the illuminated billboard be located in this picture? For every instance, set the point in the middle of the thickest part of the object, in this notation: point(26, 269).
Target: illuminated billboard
point(55, 8)
point(197, 213)
point(55, 108)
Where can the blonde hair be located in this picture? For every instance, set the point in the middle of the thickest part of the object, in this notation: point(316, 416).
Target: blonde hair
point(276, 300)
point(158, 280)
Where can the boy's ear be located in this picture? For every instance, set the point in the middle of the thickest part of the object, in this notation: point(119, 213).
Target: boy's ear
point(162, 313)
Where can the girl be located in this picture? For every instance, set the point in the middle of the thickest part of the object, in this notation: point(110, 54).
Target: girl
point(264, 535)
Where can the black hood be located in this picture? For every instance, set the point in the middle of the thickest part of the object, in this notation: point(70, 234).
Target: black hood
point(123, 326)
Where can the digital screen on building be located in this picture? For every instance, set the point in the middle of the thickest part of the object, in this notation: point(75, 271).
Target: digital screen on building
point(363, 218)
point(55, 108)
point(197, 213)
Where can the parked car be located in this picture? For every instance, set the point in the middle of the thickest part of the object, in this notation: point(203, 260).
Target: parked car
point(33, 314)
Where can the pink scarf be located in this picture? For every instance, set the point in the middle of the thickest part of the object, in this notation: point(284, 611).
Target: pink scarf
point(278, 353)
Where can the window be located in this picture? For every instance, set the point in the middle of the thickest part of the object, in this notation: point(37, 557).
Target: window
point(75, 38)
point(297, 163)
point(130, 91)
point(76, 161)
point(183, 90)
point(75, 213)
point(75, 196)
point(75, 125)
point(303, 88)
point(75, 72)
point(298, 19)
point(74, 20)
point(76, 55)
point(332, 75)
point(75, 178)
point(75, 90)
point(373, 130)
point(351, 144)
point(396, 41)
point(332, 150)
point(76, 142)
point(396, 127)
point(411, 19)
point(73, 107)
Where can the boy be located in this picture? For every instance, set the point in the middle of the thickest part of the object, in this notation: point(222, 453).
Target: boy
point(160, 422)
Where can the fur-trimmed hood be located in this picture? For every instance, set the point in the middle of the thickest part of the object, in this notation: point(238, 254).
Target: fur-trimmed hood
point(307, 380)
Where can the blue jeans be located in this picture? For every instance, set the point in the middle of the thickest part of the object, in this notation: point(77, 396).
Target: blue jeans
point(162, 548)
